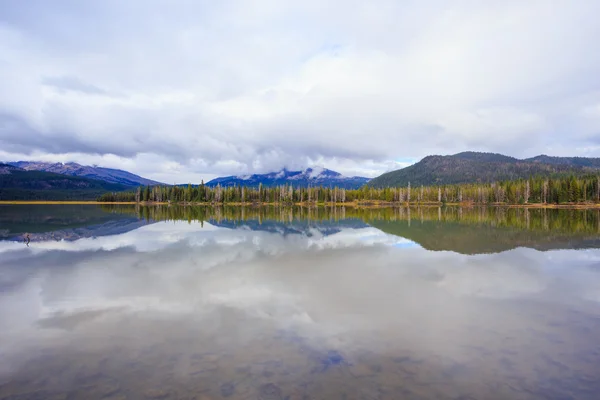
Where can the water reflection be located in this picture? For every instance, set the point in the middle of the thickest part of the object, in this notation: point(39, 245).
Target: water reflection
point(465, 230)
point(64, 222)
point(303, 304)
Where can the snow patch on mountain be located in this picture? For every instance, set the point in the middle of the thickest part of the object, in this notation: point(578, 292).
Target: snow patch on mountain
point(312, 176)
point(314, 172)
point(93, 172)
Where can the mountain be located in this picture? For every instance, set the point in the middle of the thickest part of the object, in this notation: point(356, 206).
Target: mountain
point(574, 161)
point(471, 167)
point(316, 176)
point(6, 169)
point(19, 184)
point(99, 173)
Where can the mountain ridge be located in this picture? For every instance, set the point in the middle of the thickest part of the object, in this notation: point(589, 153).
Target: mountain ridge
point(312, 176)
point(477, 167)
point(19, 184)
point(109, 175)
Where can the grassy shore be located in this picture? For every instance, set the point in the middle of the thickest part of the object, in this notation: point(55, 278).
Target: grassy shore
point(355, 204)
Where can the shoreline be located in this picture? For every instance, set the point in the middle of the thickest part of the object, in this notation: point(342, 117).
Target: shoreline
point(354, 204)
point(17, 202)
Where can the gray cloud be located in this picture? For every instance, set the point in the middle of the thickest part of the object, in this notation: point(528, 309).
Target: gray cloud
point(197, 89)
point(72, 83)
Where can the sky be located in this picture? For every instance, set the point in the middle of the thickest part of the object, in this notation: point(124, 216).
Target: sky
point(184, 90)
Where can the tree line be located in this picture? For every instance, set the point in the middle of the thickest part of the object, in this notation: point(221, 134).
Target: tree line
point(541, 190)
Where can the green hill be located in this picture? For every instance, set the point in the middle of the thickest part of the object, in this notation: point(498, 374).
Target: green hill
point(473, 167)
point(18, 184)
point(574, 161)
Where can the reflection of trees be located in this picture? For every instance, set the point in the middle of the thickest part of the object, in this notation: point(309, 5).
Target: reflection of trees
point(466, 230)
point(485, 230)
point(543, 220)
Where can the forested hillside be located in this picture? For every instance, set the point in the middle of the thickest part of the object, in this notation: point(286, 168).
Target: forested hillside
point(473, 167)
point(17, 184)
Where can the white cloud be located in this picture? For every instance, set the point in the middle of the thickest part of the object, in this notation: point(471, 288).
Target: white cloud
point(204, 89)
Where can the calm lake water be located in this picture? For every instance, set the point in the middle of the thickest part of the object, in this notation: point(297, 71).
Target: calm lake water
point(125, 302)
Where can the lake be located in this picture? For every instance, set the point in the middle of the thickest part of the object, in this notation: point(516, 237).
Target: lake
point(130, 302)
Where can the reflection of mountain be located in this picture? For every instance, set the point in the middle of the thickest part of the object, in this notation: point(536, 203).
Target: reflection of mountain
point(476, 238)
point(296, 227)
point(57, 222)
point(109, 228)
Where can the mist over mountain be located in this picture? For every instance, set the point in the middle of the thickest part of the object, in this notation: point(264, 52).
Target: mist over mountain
point(315, 176)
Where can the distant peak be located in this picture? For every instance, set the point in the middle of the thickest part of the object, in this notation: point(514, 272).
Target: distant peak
point(95, 172)
point(312, 175)
point(314, 168)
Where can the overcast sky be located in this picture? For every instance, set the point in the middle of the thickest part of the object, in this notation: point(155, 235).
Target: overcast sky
point(186, 90)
